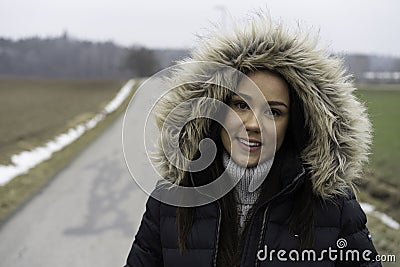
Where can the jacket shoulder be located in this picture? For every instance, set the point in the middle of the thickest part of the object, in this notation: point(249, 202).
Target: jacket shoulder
point(146, 249)
point(354, 232)
point(352, 217)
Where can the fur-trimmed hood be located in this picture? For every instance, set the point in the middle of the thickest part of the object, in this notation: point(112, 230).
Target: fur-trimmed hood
point(340, 132)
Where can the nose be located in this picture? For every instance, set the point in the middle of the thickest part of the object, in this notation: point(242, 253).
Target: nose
point(251, 123)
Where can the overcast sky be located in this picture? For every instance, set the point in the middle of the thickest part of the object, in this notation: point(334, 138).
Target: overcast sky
point(347, 26)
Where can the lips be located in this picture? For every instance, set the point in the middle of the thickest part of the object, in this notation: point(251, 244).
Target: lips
point(250, 143)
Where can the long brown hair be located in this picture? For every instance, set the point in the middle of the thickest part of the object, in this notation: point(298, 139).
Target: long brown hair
point(301, 220)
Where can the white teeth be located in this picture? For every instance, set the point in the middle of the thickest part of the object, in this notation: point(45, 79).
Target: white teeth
point(247, 143)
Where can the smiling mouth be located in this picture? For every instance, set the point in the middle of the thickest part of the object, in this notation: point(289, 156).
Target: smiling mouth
point(249, 143)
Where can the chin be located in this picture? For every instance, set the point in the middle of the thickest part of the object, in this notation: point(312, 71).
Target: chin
point(253, 163)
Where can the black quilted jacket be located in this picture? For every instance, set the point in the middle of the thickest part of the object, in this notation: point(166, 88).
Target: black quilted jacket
point(339, 230)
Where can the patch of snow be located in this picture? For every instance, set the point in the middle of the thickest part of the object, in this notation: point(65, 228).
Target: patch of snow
point(389, 221)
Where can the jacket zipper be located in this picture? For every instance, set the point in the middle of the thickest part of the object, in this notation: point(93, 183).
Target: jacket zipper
point(264, 227)
point(218, 229)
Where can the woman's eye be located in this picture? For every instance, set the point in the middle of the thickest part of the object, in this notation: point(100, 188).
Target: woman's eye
point(241, 105)
point(273, 112)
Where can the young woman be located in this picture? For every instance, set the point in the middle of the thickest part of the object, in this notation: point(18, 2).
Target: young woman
point(305, 212)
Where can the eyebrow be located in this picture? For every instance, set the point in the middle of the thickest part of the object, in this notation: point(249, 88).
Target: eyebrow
point(271, 103)
point(277, 103)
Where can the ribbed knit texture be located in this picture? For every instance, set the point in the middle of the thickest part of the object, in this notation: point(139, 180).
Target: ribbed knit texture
point(246, 196)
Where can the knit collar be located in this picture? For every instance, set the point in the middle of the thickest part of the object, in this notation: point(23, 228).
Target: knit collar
point(249, 178)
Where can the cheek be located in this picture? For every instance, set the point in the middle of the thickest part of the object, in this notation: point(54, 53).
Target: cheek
point(232, 124)
point(230, 128)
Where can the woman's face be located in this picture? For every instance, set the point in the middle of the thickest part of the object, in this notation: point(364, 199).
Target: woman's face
point(250, 141)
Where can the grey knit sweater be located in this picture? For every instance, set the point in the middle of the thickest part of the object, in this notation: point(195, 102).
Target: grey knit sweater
point(246, 196)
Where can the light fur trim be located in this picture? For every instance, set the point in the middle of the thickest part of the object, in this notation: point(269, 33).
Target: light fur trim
point(339, 126)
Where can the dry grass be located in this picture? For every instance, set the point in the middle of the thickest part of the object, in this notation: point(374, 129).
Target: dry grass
point(382, 184)
point(33, 111)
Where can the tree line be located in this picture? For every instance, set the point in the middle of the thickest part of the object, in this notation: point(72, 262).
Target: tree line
point(68, 58)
